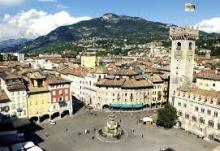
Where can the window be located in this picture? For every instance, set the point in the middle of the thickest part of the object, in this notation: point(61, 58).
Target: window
point(185, 105)
point(202, 110)
point(187, 116)
point(211, 123)
point(194, 119)
point(209, 112)
point(178, 47)
point(179, 103)
point(61, 98)
point(54, 92)
point(201, 120)
point(196, 109)
point(215, 114)
point(66, 98)
point(213, 84)
point(218, 126)
point(60, 92)
point(180, 113)
point(66, 91)
point(190, 46)
point(54, 99)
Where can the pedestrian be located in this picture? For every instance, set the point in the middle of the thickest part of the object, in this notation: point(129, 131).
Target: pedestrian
point(142, 136)
point(46, 134)
point(133, 130)
point(66, 129)
point(120, 120)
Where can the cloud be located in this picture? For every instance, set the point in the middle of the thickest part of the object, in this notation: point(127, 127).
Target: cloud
point(34, 23)
point(10, 2)
point(47, 0)
point(211, 25)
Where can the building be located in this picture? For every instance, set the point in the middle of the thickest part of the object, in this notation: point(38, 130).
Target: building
point(77, 78)
point(5, 106)
point(61, 98)
point(88, 60)
point(122, 88)
point(38, 97)
point(198, 111)
point(182, 57)
point(123, 91)
point(197, 103)
point(208, 80)
point(14, 87)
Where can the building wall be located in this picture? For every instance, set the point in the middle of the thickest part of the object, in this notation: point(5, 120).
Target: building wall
point(182, 64)
point(88, 61)
point(38, 104)
point(195, 113)
point(107, 96)
point(5, 109)
point(60, 91)
point(208, 84)
point(77, 86)
point(18, 101)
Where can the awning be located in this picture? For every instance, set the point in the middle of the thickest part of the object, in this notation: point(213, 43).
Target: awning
point(127, 106)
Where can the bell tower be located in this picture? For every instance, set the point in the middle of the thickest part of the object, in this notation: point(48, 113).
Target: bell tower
point(182, 57)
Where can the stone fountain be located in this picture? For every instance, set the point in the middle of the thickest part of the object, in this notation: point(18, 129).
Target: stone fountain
point(112, 132)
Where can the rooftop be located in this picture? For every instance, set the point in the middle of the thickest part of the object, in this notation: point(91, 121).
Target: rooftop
point(3, 97)
point(209, 74)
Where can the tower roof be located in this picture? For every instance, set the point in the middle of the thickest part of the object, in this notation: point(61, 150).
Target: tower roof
point(178, 33)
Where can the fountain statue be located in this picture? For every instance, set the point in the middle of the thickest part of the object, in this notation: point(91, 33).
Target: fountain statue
point(112, 132)
point(112, 129)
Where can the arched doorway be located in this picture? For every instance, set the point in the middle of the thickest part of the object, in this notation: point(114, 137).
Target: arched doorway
point(178, 124)
point(106, 106)
point(147, 105)
point(44, 117)
point(33, 119)
point(54, 115)
point(64, 113)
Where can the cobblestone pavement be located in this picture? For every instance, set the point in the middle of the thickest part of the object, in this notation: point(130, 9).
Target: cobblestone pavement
point(64, 136)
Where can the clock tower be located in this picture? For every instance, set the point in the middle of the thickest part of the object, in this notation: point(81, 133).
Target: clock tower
point(182, 57)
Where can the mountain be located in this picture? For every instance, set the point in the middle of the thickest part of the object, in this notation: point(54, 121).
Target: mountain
point(9, 45)
point(109, 26)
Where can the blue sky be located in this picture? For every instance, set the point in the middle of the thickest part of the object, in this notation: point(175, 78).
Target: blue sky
point(167, 11)
point(170, 11)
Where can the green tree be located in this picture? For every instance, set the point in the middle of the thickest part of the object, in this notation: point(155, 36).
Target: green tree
point(167, 116)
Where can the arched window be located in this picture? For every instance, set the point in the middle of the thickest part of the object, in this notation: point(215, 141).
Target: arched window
point(178, 47)
point(190, 46)
point(201, 120)
point(194, 118)
point(210, 123)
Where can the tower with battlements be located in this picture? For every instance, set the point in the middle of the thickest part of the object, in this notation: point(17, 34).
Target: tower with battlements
point(182, 57)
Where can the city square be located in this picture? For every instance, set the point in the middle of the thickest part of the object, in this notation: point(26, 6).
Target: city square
point(117, 76)
point(65, 135)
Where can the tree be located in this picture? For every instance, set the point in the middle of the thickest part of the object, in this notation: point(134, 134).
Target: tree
point(167, 116)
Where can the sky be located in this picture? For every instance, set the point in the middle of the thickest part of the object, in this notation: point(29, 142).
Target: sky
point(33, 18)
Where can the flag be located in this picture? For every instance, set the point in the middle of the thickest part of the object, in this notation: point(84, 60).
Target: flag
point(190, 7)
